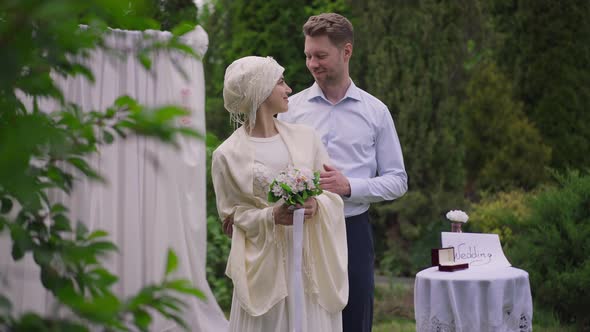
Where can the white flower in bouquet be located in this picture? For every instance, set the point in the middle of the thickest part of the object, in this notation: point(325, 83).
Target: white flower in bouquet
point(457, 216)
point(295, 186)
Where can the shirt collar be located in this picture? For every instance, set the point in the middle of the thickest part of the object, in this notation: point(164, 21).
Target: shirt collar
point(316, 93)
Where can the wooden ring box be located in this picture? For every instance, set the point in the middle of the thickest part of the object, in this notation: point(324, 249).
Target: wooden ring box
point(444, 258)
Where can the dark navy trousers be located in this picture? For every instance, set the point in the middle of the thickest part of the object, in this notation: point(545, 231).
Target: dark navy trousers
point(357, 316)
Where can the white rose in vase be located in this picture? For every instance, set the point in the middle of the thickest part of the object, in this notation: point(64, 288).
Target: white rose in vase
point(457, 218)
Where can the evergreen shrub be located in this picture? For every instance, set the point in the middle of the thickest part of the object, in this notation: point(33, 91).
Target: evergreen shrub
point(553, 247)
point(218, 244)
point(502, 213)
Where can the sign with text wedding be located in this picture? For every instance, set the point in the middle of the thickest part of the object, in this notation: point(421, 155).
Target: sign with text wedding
point(477, 249)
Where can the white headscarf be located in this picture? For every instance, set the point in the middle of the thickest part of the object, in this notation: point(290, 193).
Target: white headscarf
point(248, 82)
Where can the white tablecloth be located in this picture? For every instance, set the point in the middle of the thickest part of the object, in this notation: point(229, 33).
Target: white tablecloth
point(473, 300)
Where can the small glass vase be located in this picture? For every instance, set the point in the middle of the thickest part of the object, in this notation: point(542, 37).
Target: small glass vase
point(456, 227)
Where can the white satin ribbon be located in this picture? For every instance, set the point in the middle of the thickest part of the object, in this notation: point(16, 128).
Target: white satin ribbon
point(296, 280)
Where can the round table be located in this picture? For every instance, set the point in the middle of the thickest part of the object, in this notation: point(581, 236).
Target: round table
point(479, 299)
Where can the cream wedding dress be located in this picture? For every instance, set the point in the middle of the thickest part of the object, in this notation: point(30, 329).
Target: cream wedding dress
point(271, 156)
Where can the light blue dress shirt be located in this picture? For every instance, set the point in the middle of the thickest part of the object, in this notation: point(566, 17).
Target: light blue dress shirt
point(360, 137)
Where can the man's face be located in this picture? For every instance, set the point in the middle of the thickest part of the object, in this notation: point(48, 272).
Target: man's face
point(325, 61)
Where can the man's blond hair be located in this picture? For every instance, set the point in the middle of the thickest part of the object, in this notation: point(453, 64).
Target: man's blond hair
point(337, 27)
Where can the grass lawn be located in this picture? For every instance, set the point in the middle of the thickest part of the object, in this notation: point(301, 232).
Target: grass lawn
point(397, 325)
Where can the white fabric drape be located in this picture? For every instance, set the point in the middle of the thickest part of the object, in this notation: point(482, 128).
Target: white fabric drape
point(155, 195)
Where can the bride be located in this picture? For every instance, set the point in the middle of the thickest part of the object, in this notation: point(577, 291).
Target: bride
point(243, 167)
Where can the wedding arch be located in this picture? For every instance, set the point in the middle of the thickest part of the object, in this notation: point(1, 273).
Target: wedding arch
point(154, 198)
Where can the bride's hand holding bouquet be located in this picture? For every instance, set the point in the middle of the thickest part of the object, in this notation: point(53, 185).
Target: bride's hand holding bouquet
point(297, 187)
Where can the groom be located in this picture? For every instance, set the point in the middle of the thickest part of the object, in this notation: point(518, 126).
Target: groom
point(359, 134)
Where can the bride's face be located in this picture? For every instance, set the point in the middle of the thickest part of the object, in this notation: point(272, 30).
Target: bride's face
point(278, 101)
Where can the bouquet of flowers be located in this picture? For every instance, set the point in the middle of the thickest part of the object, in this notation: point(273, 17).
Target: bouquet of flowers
point(295, 186)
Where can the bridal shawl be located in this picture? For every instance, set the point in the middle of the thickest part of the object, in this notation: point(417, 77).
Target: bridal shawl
point(255, 262)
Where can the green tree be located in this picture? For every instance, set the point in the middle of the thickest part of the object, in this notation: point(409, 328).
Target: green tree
point(41, 39)
point(544, 50)
point(505, 150)
point(411, 57)
point(170, 13)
